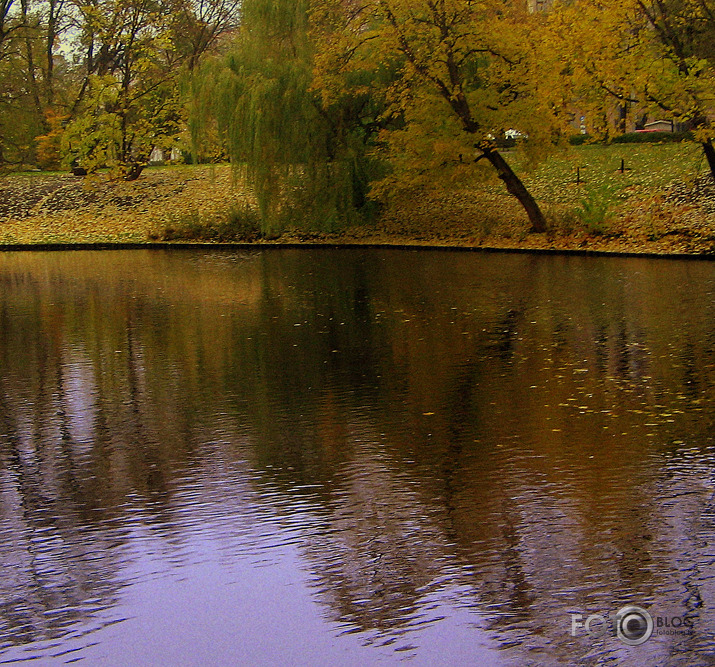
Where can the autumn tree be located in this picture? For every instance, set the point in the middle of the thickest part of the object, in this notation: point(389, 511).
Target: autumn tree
point(199, 25)
point(683, 36)
point(99, 77)
point(464, 77)
point(30, 31)
point(125, 88)
point(589, 65)
point(645, 56)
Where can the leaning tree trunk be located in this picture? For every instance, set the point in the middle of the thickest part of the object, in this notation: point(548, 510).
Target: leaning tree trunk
point(515, 187)
point(709, 151)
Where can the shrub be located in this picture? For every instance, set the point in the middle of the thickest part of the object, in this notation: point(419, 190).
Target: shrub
point(633, 138)
point(652, 137)
point(238, 225)
point(580, 139)
point(594, 209)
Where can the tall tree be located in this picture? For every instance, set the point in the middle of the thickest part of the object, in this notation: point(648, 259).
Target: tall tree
point(101, 74)
point(304, 155)
point(199, 25)
point(126, 103)
point(30, 31)
point(589, 65)
point(464, 78)
point(9, 24)
point(684, 35)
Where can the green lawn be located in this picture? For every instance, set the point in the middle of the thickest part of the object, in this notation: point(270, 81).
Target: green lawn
point(649, 169)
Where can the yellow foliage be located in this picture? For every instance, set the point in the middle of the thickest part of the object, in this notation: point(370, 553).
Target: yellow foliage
point(599, 55)
point(459, 74)
point(49, 145)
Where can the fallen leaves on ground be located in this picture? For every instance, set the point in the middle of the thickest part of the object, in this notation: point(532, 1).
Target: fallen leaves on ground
point(655, 215)
point(60, 208)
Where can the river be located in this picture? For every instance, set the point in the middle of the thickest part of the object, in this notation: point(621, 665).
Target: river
point(355, 457)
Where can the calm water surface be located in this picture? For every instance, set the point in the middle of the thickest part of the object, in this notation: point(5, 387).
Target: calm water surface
point(354, 457)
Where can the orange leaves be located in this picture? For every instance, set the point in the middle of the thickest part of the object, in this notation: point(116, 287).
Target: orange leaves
point(49, 145)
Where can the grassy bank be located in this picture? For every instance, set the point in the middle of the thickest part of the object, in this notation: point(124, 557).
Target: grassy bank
point(661, 201)
point(38, 207)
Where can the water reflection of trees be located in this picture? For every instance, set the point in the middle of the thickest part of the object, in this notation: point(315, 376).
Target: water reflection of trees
point(477, 420)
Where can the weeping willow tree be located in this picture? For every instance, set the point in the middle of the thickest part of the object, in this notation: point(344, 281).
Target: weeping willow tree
point(305, 158)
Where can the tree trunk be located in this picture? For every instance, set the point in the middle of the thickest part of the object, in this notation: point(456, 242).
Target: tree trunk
point(515, 187)
point(623, 117)
point(50, 54)
point(31, 70)
point(133, 172)
point(709, 151)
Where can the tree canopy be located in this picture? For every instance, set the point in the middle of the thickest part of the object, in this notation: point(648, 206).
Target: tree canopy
point(612, 59)
point(305, 154)
point(328, 106)
point(95, 82)
point(464, 78)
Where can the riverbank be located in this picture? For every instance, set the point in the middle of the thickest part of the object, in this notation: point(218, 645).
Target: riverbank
point(609, 212)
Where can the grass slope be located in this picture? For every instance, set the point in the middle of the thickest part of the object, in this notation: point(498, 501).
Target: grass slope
point(662, 203)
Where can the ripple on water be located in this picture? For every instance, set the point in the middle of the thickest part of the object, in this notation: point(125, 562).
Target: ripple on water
point(446, 459)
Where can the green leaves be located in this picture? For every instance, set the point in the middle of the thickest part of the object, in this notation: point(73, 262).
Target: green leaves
point(304, 153)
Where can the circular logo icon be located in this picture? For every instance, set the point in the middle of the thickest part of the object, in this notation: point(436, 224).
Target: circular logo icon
point(634, 625)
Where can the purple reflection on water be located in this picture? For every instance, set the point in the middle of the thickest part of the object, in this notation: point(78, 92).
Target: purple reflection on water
point(450, 455)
